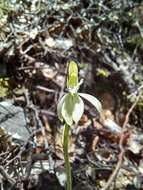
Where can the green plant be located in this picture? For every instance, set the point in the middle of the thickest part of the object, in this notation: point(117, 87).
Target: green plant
point(70, 109)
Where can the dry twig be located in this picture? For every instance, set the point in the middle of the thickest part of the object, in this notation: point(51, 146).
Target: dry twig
point(6, 176)
point(121, 147)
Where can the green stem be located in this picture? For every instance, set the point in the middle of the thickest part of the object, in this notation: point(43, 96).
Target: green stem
point(66, 157)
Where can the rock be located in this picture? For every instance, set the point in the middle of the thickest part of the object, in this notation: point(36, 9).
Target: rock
point(12, 120)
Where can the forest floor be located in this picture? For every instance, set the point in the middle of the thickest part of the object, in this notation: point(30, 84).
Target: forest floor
point(37, 39)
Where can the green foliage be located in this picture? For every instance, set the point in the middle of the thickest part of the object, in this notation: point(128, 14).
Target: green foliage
point(103, 73)
point(4, 87)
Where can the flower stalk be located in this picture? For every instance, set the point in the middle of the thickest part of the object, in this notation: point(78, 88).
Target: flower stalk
point(66, 157)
